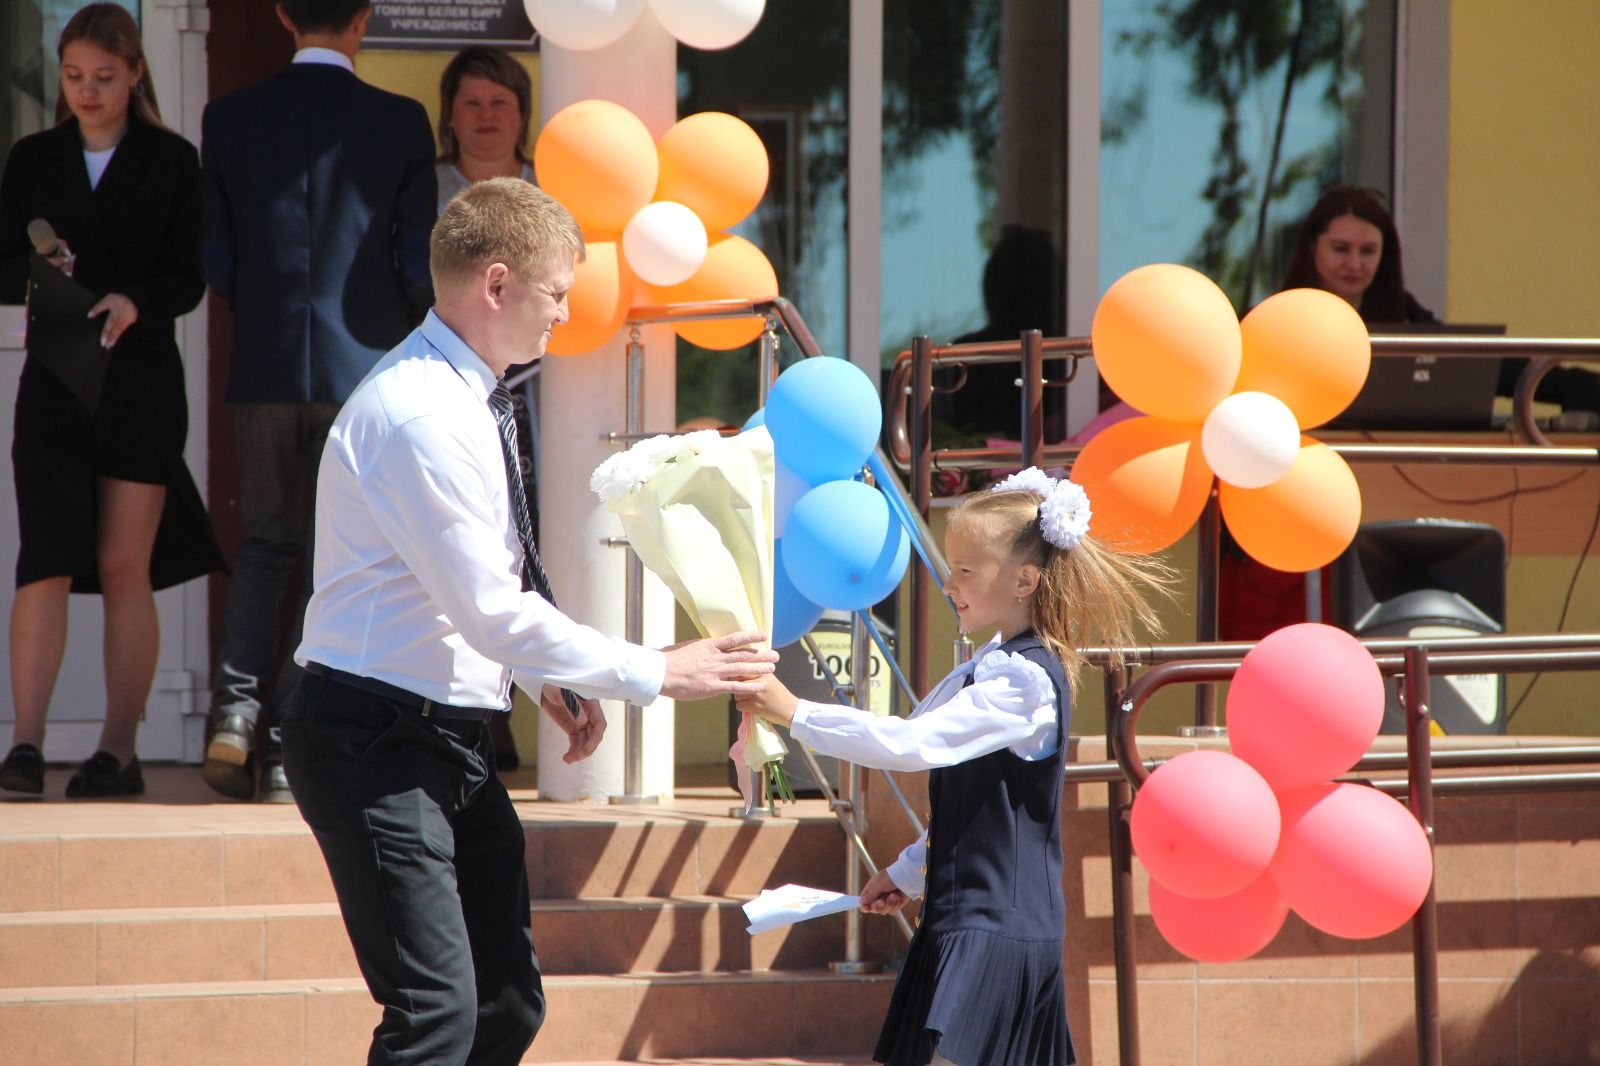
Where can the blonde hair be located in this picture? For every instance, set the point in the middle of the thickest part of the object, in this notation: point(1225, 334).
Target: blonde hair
point(111, 29)
point(502, 220)
point(1088, 595)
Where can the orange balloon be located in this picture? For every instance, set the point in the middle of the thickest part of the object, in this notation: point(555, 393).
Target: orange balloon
point(734, 269)
point(598, 159)
point(1166, 340)
point(597, 303)
point(1302, 521)
point(714, 164)
point(1307, 347)
point(1147, 482)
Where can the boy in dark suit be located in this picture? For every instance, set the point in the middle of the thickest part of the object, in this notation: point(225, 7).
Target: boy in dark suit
point(318, 195)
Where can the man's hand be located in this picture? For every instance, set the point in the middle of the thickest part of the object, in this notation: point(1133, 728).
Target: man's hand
point(583, 732)
point(774, 702)
point(880, 896)
point(717, 666)
point(120, 314)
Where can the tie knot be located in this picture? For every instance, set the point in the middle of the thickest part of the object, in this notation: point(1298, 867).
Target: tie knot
point(500, 401)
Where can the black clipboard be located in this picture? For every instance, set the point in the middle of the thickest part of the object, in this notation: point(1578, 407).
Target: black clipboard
point(61, 335)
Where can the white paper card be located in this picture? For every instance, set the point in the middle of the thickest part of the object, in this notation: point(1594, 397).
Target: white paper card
point(778, 907)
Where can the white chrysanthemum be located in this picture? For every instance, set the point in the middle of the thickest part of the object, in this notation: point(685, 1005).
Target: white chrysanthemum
point(1064, 515)
point(1030, 480)
point(626, 471)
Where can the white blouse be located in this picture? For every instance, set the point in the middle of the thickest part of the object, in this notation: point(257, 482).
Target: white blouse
point(1011, 703)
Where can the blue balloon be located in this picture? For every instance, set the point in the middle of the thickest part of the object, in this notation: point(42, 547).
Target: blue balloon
point(788, 487)
point(793, 616)
point(757, 419)
point(843, 547)
point(824, 416)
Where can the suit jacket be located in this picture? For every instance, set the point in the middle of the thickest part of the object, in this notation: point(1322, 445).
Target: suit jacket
point(317, 199)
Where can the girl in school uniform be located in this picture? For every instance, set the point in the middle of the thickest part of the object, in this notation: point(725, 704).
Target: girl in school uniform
point(982, 983)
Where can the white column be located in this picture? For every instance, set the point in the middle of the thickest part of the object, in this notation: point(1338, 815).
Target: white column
point(581, 399)
point(864, 225)
point(1083, 199)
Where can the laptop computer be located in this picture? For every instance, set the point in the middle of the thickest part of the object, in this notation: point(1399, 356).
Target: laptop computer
point(1425, 391)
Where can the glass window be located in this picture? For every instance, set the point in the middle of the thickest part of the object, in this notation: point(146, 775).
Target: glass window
point(29, 71)
point(1222, 120)
point(788, 81)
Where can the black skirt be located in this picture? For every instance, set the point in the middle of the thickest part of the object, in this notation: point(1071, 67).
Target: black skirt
point(59, 449)
point(979, 999)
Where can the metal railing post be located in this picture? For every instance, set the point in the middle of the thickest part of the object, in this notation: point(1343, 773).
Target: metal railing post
point(1119, 808)
point(1207, 584)
point(633, 595)
point(768, 368)
point(1425, 924)
point(852, 794)
point(921, 434)
point(1032, 388)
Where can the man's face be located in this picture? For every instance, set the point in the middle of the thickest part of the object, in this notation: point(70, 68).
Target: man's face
point(536, 306)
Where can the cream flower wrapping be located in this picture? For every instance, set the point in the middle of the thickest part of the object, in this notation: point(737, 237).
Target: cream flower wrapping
point(697, 510)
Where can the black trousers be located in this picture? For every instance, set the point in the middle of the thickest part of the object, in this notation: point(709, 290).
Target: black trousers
point(426, 854)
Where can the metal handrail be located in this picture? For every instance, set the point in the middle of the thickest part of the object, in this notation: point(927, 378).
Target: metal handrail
point(1544, 353)
point(1416, 661)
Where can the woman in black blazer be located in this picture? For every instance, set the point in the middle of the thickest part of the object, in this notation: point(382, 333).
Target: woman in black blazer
point(104, 500)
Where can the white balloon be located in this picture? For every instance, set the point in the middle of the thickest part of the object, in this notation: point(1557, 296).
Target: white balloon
point(664, 243)
point(709, 24)
point(1250, 439)
point(582, 25)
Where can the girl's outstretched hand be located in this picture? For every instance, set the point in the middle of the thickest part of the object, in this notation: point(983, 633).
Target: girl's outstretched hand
point(880, 896)
point(774, 702)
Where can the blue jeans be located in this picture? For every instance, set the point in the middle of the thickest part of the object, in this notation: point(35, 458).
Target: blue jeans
point(279, 446)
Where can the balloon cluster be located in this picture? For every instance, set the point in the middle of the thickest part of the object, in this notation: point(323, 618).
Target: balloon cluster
point(653, 215)
point(582, 25)
point(839, 544)
point(1228, 398)
point(1234, 842)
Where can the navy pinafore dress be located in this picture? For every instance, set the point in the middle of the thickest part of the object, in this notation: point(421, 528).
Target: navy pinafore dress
point(982, 982)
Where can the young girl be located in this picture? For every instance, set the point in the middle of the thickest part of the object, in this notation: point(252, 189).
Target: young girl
point(982, 983)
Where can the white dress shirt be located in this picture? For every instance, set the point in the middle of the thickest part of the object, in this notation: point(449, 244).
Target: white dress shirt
point(417, 573)
point(1011, 703)
point(324, 55)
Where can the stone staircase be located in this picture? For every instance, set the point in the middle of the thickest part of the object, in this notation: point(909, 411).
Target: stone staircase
point(175, 931)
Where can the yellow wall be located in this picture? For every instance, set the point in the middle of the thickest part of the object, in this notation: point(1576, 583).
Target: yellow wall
point(1524, 249)
point(416, 74)
point(1524, 217)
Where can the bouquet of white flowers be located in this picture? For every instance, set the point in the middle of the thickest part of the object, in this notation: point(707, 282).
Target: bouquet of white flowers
point(697, 509)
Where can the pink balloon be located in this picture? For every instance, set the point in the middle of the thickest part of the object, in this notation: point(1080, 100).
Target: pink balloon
point(1220, 930)
point(1352, 862)
point(1304, 705)
point(1205, 824)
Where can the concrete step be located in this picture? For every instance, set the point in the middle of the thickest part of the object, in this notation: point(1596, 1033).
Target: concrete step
point(100, 856)
point(174, 945)
point(632, 1018)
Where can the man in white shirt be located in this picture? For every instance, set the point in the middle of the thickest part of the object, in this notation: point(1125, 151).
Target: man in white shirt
point(418, 623)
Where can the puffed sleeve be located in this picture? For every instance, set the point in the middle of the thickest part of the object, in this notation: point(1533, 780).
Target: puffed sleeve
point(1011, 703)
point(909, 872)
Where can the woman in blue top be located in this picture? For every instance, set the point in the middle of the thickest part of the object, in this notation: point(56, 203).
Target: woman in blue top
point(982, 983)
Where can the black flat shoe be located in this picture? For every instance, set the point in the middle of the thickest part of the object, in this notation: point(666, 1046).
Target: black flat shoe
point(103, 775)
point(23, 770)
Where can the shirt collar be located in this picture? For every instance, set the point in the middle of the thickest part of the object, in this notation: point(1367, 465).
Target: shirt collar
point(473, 370)
point(324, 55)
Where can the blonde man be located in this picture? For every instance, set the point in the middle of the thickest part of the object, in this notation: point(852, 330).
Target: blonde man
point(426, 606)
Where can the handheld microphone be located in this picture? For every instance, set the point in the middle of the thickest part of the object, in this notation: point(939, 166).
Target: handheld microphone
point(44, 238)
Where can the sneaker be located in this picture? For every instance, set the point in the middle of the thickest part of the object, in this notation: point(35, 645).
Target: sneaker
point(230, 765)
point(23, 770)
point(274, 782)
point(102, 774)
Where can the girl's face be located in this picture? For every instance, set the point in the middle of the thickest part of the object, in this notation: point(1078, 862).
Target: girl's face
point(1346, 255)
point(97, 86)
point(485, 119)
point(989, 590)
